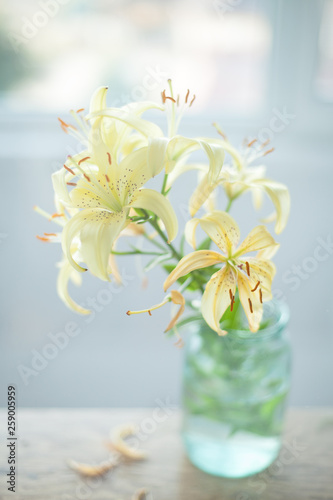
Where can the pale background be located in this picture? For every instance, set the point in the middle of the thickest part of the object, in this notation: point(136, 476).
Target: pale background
point(246, 61)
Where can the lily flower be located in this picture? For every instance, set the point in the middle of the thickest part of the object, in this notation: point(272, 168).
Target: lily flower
point(105, 197)
point(252, 275)
point(238, 177)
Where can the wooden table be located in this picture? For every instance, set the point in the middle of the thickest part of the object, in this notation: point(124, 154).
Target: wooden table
point(47, 438)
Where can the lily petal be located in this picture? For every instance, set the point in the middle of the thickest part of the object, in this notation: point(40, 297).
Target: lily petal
point(262, 271)
point(146, 128)
point(67, 273)
point(258, 239)
point(254, 309)
point(201, 194)
point(179, 299)
point(279, 194)
point(179, 146)
point(156, 155)
point(98, 230)
point(216, 297)
point(155, 202)
point(191, 262)
point(98, 100)
point(222, 229)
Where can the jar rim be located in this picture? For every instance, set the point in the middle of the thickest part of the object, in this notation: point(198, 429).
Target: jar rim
point(282, 315)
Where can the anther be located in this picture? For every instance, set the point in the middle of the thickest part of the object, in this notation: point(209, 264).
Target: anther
point(269, 151)
point(187, 94)
point(254, 289)
point(107, 178)
point(171, 99)
point(192, 101)
point(250, 304)
point(260, 295)
point(251, 143)
point(63, 125)
point(80, 110)
point(42, 238)
point(83, 159)
point(247, 268)
point(70, 170)
point(109, 158)
point(149, 312)
point(50, 234)
point(71, 183)
point(86, 177)
point(53, 216)
point(163, 96)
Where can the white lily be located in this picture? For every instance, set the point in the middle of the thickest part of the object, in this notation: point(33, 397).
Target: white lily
point(253, 275)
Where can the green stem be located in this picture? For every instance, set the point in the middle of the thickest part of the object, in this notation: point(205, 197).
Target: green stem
point(152, 240)
point(165, 180)
point(136, 252)
point(175, 253)
point(229, 205)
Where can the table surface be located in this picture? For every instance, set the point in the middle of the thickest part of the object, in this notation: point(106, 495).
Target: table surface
point(47, 438)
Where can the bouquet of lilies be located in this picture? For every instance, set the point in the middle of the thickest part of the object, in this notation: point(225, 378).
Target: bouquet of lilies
point(101, 195)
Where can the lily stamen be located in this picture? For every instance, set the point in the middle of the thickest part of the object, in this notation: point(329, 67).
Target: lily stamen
point(254, 289)
point(171, 99)
point(193, 99)
point(70, 170)
point(260, 295)
point(247, 268)
point(53, 216)
point(269, 151)
point(107, 178)
point(83, 159)
point(42, 238)
point(80, 110)
point(187, 94)
point(71, 183)
point(250, 304)
point(87, 177)
point(109, 158)
point(265, 143)
point(251, 143)
point(129, 313)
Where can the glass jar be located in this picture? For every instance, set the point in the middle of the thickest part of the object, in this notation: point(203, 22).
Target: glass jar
point(234, 394)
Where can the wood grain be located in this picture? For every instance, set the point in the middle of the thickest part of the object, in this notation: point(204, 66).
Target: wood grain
point(47, 438)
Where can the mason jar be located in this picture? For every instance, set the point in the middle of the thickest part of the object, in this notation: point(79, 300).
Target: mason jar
point(234, 394)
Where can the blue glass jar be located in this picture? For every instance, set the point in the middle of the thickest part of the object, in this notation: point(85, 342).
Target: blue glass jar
point(234, 395)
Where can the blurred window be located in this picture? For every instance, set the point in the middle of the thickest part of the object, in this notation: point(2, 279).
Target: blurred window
point(324, 74)
point(66, 48)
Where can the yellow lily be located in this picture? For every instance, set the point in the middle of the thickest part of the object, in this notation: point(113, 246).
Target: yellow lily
point(238, 177)
point(252, 275)
point(163, 152)
point(105, 185)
